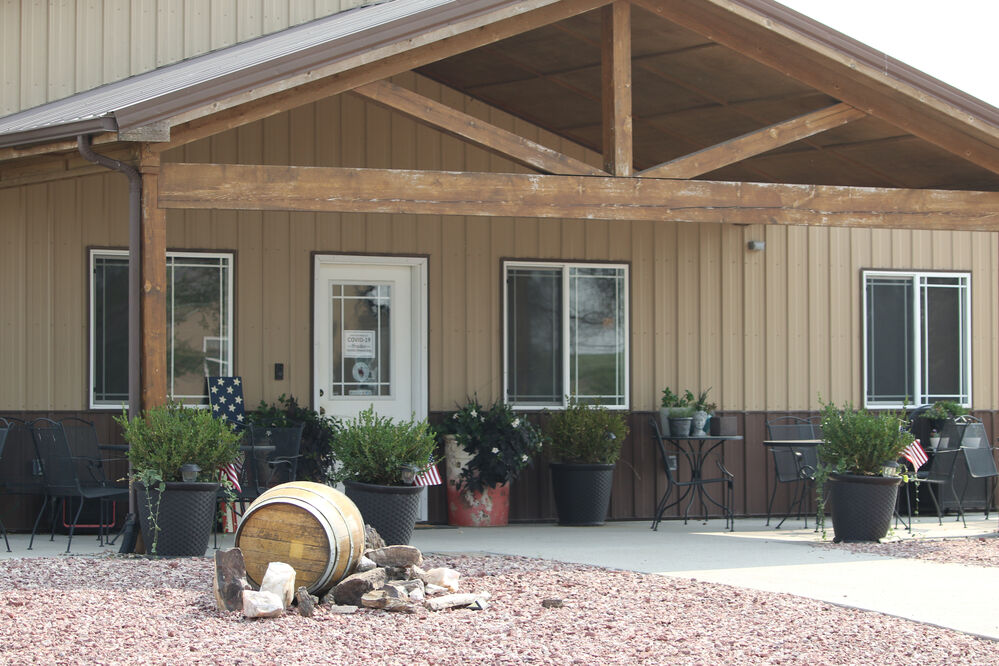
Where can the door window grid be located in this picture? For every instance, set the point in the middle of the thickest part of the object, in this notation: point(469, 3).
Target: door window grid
point(376, 299)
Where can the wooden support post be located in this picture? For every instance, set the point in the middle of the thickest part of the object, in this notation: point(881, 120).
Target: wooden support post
point(153, 295)
point(616, 88)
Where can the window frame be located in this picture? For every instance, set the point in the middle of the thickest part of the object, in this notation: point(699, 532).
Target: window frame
point(565, 267)
point(94, 254)
point(916, 276)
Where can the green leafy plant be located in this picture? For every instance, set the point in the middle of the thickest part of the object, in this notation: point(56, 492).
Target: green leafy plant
point(379, 450)
point(701, 404)
point(500, 442)
point(583, 433)
point(671, 399)
point(315, 454)
point(942, 410)
point(168, 436)
point(857, 441)
point(681, 412)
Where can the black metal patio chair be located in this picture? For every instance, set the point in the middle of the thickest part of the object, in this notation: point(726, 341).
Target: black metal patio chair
point(795, 465)
point(66, 478)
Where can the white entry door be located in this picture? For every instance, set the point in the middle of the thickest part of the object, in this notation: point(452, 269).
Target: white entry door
point(370, 337)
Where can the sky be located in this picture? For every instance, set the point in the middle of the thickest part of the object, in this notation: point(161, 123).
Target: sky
point(953, 40)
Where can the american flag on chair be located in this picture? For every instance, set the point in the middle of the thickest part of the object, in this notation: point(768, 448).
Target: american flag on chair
point(225, 396)
point(915, 454)
point(429, 476)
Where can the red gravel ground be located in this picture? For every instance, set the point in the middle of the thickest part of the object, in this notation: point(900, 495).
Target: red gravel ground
point(115, 610)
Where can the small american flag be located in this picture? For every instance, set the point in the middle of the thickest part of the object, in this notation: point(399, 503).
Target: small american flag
point(428, 477)
point(915, 454)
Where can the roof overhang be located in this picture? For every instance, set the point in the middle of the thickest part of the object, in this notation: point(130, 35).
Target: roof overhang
point(202, 85)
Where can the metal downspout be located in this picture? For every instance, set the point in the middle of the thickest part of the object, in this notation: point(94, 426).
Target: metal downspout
point(134, 274)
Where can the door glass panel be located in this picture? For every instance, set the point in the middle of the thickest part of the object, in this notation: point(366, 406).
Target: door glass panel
point(360, 339)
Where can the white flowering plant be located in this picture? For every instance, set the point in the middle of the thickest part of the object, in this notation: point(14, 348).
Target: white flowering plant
point(500, 442)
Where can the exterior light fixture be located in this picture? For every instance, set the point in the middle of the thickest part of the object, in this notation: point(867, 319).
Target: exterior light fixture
point(756, 245)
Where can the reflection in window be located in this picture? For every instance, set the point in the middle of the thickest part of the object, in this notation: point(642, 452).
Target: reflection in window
point(566, 334)
point(917, 345)
point(199, 324)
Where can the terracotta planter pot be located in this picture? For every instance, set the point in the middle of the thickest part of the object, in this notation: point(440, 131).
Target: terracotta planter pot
point(490, 508)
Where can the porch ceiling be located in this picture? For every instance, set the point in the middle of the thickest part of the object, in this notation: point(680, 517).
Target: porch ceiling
point(690, 93)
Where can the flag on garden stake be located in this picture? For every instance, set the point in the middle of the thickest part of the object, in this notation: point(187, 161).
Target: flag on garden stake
point(428, 477)
point(914, 453)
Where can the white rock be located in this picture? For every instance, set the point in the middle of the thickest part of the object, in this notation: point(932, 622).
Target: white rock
point(442, 576)
point(365, 564)
point(262, 604)
point(455, 600)
point(279, 579)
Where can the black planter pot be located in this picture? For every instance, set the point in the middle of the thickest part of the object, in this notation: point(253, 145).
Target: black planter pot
point(392, 510)
point(582, 492)
point(185, 514)
point(862, 506)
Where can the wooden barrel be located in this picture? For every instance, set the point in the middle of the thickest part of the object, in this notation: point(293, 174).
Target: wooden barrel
point(314, 528)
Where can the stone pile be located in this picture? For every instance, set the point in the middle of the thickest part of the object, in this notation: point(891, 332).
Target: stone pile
point(386, 577)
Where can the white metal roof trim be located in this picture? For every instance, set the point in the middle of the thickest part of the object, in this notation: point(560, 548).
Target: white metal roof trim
point(203, 69)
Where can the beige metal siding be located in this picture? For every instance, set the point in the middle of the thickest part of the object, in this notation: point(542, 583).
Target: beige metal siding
point(50, 50)
point(770, 330)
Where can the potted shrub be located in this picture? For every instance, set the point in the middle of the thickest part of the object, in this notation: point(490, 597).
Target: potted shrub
point(676, 413)
point(376, 460)
point(857, 447)
point(165, 444)
point(485, 448)
point(584, 443)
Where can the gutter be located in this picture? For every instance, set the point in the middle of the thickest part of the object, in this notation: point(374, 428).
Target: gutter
point(134, 273)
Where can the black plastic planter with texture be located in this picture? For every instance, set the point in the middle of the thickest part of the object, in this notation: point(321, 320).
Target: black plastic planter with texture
point(391, 510)
point(184, 513)
point(582, 492)
point(862, 506)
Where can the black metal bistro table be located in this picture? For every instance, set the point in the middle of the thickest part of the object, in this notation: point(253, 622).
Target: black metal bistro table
point(696, 450)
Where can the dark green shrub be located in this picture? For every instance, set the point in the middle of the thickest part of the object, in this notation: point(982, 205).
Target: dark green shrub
point(376, 449)
point(166, 437)
point(857, 441)
point(583, 433)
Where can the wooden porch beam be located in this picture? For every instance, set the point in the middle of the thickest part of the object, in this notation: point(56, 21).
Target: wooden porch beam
point(153, 294)
point(755, 143)
point(615, 70)
point(257, 187)
point(366, 67)
point(813, 62)
point(469, 128)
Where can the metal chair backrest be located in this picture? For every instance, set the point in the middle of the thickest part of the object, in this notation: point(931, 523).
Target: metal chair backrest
point(20, 472)
point(977, 452)
point(84, 445)
point(59, 468)
point(663, 454)
point(793, 463)
point(287, 441)
point(4, 429)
